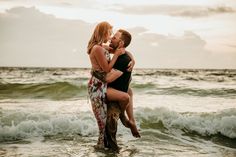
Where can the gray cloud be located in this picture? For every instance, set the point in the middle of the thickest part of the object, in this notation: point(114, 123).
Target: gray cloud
point(231, 45)
point(163, 9)
point(32, 38)
point(53, 3)
point(29, 37)
point(76, 3)
point(174, 10)
point(65, 4)
point(187, 51)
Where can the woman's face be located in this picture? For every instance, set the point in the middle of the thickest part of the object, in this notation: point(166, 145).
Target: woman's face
point(115, 40)
point(108, 37)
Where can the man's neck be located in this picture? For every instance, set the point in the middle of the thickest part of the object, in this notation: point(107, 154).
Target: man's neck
point(124, 52)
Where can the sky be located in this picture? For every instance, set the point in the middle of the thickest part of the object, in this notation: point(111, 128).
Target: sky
point(165, 33)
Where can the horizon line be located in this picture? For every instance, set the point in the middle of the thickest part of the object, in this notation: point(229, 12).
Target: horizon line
point(138, 68)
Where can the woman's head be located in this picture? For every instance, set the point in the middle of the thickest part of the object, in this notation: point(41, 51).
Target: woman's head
point(101, 34)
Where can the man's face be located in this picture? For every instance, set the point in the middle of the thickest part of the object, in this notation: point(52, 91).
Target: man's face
point(115, 40)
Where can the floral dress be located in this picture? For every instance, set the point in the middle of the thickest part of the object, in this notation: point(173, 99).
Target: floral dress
point(97, 88)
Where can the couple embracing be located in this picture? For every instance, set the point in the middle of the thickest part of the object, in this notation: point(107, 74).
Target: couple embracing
point(110, 78)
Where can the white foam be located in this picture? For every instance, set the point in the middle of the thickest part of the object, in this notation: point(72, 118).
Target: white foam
point(223, 122)
point(47, 124)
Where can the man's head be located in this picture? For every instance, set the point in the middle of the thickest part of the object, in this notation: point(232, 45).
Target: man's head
point(122, 38)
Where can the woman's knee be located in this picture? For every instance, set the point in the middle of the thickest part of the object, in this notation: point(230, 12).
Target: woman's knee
point(125, 98)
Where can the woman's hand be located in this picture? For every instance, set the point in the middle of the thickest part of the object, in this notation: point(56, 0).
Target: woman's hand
point(131, 65)
point(108, 48)
point(119, 51)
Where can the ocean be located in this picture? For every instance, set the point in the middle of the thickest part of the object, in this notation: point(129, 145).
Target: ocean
point(180, 112)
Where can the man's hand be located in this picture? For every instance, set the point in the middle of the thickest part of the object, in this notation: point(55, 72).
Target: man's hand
point(131, 65)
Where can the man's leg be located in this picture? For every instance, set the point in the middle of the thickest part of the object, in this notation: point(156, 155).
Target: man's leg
point(113, 113)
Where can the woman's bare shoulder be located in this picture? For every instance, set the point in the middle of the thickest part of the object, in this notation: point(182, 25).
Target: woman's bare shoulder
point(97, 48)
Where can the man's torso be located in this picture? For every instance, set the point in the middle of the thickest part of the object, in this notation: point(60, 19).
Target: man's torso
point(122, 83)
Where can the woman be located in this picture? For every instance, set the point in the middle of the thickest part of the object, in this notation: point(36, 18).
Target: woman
point(102, 73)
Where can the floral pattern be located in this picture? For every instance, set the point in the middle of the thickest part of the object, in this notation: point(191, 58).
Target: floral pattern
point(97, 88)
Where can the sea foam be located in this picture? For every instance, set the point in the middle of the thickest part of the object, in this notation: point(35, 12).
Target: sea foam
point(205, 124)
point(19, 125)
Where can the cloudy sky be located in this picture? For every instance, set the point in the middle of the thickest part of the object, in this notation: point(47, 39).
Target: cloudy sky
point(166, 33)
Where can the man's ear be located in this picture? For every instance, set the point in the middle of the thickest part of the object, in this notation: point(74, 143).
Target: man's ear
point(121, 43)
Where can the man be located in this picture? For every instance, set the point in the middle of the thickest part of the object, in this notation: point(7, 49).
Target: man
point(121, 39)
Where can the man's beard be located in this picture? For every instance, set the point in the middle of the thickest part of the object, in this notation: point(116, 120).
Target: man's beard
point(113, 46)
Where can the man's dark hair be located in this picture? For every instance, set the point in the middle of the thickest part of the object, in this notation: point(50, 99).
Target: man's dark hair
point(125, 36)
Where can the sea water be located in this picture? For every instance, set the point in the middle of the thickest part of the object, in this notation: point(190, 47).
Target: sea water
point(180, 112)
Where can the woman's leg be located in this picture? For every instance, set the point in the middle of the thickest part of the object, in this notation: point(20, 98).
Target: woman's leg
point(121, 97)
point(129, 111)
point(100, 116)
point(96, 91)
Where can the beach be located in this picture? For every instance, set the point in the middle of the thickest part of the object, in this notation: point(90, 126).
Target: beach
point(180, 112)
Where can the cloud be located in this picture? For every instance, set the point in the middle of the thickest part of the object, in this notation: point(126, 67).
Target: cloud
point(174, 10)
point(66, 4)
point(138, 30)
point(30, 37)
point(231, 45)
point(76, 3)
point(50, 3)
point(192, 11)
point(161, 51)
point(186, 51)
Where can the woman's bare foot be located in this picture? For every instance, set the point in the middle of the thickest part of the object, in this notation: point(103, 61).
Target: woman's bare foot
point(130, 124)
point(134, 129)
point(124, 120)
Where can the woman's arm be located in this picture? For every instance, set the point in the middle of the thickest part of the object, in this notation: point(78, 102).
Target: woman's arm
point(101, 59)
point(132, 62)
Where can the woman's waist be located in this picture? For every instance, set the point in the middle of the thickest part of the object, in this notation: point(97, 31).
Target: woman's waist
point(99, 74)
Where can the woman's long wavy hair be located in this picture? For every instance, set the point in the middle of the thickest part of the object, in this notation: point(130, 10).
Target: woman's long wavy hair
point(99, 35)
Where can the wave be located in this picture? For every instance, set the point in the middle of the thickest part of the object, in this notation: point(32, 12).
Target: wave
point(78, 89)
point(211, 78)
point(213, 92)
point(151, 72)
point(191, 74)
point(55, 91)
point(16, 125)
point(148, 85)
point(205, 124)
point(22, 125)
